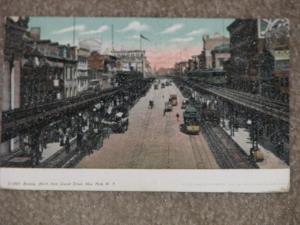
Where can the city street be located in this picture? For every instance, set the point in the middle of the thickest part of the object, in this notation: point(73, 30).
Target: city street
point(153, 140)
point(79, 105)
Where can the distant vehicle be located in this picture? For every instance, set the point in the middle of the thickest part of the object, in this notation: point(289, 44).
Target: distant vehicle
point(168, 106)
point(210, 113)
point(118, 123)
point(173, 99)
point(162, 85)
point(151, 104)
point(122, 122)
point(167, 83)
point(209, 76)
point(191, 120)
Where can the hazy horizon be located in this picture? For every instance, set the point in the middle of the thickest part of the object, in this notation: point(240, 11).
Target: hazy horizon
point(170, 39)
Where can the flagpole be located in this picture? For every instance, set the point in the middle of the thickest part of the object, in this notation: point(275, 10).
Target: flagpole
point(74, 30)
point(141, 49)
point(141, 42)
point(112, 37)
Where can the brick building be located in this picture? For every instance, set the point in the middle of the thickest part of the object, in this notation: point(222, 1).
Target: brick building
point(102, 68)
point(131, 60)
point(277, 42)
point(209, 43)
point(244, 49)
point(68, 54)
point(259, 61)
point(220, 54)
point(15, 28)
point(42, 77)
point(82, 69)
point(181, 68)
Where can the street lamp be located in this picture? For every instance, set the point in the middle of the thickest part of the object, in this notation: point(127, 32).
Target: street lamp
point(96, 121)
point(223, 115)
point(255, 152)
point(231, 119)
point(97, 137)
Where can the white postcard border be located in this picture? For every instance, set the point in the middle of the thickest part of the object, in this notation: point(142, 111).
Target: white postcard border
point(154, 180)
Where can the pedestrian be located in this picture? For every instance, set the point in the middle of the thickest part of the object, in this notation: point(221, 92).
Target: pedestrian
point(67, 144)
point(61, 137)
point(89, 143)
point(177, 116)
point(85, 143)
point(109, 132)
point(164, 112)
point(79, 140)
point(44, 140)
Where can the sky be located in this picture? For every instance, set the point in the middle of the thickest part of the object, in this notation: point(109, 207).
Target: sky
point(170, 39)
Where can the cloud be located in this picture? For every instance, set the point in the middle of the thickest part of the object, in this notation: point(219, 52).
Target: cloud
point(134, 37)
point(91, 44)
point(173, 28)
point(196, 32)
point(69, 29)
point(185, 39)
point(135, 26)
point(97, 31)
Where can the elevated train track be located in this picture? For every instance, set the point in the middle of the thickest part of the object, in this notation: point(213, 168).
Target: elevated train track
point(228, 154)
point(263, 105)
point(20, 121)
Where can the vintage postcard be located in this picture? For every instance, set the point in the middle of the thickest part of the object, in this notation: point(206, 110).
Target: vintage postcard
point(145, 104)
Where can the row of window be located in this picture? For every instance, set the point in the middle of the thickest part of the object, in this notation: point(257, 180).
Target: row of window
point(130, 54)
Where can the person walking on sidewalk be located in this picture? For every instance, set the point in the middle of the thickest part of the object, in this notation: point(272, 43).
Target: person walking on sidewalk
point(177, 117)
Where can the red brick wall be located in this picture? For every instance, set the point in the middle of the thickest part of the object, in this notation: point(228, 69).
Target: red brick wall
point(96, 61)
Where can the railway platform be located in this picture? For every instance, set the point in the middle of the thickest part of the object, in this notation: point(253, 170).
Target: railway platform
point(241, 137)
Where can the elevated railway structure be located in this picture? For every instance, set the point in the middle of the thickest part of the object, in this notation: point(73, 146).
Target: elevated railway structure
point(70, 117)
point(254, 102)
point(267, 120)
point(228, 154)
point(19, 121)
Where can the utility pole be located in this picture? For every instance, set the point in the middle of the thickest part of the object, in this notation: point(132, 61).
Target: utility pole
point(112, 37)
point(74, 30)
point(140, 42)
point(142, 55)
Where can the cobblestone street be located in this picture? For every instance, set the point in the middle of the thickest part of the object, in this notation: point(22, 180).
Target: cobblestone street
point(153, 141)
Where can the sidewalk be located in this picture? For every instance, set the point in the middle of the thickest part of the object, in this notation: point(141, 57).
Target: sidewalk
point(242, 138)
point(20, 159)
point(54, 147)
point(51, 149)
